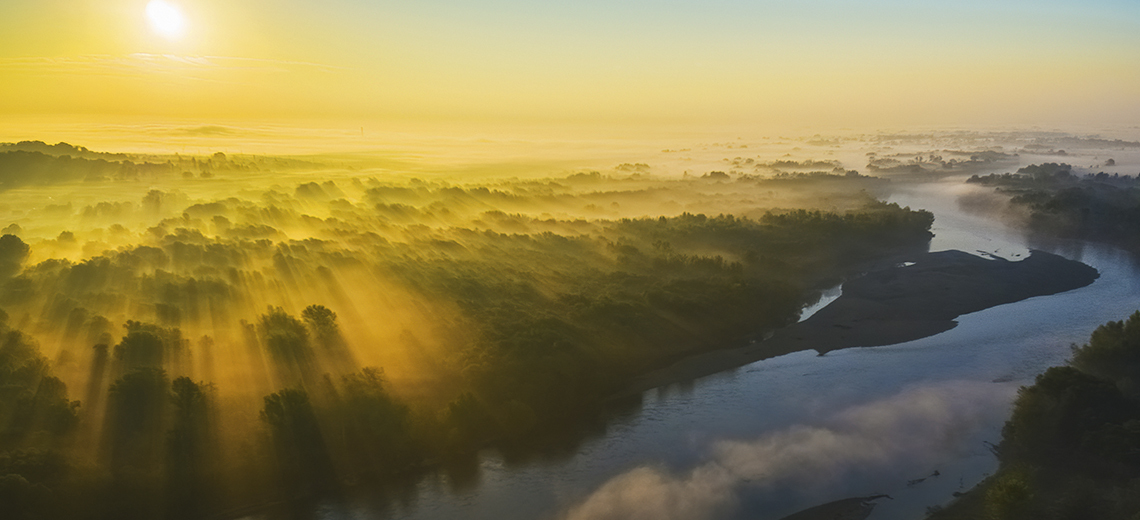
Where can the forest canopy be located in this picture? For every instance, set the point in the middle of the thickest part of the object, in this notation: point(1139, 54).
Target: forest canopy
point(265, 327)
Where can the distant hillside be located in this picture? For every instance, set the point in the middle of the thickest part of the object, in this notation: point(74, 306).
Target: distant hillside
point(60, 150)
point(25, 168)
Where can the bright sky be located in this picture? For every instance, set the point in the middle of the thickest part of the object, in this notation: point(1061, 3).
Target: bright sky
point(812, 62)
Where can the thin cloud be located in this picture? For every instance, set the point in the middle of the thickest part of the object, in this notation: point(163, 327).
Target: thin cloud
point(145, 63)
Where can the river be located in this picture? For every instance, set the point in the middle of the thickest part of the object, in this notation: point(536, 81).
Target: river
point(764, 440)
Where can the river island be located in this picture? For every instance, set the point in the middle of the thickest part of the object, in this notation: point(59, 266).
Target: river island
point(902, 300)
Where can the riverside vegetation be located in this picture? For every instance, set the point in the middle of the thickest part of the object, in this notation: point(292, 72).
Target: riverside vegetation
point(1054, 201)
point(1071, 448)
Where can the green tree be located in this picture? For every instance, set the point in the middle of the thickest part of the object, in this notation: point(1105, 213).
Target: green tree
point(328, 338)
point(13, 253)
point(1113, 354)
point(137, 410)
point(287, 341)
point(379, 423)
point(1009, 497)
point(301, 451)
point(188, 448)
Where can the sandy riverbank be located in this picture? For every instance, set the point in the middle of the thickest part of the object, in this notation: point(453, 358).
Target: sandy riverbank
point(894, 304)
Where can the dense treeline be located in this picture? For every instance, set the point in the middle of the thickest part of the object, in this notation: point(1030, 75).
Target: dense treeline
point(34, 163)
point(558, 332)
point(1099, 206)
point(60, 149)
point(937, 162)
point(20, 168)
point(1049, 176)
point(187, 355)
point(1071, 448)
point(554, 324)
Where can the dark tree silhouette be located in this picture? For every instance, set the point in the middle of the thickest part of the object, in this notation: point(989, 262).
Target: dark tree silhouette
point(328, 338)
point(188, 448)
point(137, 408)
point(13, 253)
point(301, 451)
point(287, 341)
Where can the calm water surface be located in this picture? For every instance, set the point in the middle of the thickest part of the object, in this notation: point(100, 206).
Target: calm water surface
point(897, 414)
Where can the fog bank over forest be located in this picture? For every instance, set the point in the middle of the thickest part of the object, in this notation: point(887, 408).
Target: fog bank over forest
point(189, 333)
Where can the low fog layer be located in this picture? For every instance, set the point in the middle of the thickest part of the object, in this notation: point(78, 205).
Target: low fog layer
point(862, 450)
point(220, 330)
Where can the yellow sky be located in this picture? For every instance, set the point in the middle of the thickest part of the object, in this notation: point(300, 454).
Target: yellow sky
point(827, 63)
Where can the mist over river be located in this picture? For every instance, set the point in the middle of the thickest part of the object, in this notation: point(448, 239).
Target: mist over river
point(911, 420)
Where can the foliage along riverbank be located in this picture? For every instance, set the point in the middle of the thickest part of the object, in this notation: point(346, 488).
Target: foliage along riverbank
point(1054, 201)
point(1071, 448)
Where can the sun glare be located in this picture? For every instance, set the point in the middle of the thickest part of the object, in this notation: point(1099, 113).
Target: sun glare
point(165, 18)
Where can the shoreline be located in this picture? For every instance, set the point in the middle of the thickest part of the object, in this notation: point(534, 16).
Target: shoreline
point(891, 304)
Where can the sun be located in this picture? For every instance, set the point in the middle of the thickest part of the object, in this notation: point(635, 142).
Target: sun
point(165, 18)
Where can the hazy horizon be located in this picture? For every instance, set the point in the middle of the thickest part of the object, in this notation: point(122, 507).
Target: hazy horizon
point(821, 65)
